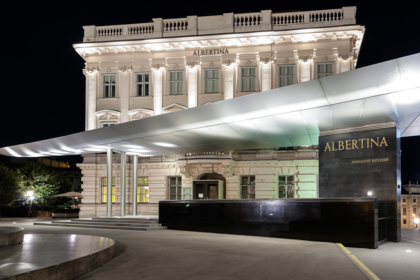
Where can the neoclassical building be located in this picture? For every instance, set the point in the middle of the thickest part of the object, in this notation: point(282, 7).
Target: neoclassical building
point(137, 71)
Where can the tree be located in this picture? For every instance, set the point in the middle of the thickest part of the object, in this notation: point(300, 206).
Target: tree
point(44, 182)
point(9, 185)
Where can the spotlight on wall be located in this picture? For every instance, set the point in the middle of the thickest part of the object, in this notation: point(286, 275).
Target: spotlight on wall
point(369, 193)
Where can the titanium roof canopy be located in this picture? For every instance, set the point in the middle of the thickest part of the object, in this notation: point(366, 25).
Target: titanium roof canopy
point(380, 94)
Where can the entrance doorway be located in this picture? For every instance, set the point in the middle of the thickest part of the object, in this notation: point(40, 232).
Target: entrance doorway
point(209, 186)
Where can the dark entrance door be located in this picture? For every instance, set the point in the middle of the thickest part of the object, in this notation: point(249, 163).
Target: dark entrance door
point(206, 189)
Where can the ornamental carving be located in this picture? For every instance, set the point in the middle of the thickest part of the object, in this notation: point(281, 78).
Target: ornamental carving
point(248, 62)
point(286, 60)
point(125, 69)
point(185, 170)
point(267, 61)
point(192, 64)
point(345, 56)
point(142, 68)
point(139, 115)
point(176, 67)
point(108, 116)
point(305, 58)
point(228, 62)
point(91, 70)
point(158, 66)
point(211, 64)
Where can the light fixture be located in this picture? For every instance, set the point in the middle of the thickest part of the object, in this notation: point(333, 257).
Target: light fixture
point(30, 193)
point(165, 144)
point(408, 251)
point(369, 193)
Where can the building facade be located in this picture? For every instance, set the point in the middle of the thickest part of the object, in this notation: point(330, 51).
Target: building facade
point(139, 71)
point(410, 205)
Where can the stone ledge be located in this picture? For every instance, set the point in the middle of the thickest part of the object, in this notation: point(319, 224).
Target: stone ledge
point(11, 236)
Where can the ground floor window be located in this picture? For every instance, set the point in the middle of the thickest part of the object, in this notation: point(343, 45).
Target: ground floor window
point(143, 189)
point(175, 188)
point(404, 211)
point(248, 186)
point(404, 222)
point(286, 186)
point(105, 189)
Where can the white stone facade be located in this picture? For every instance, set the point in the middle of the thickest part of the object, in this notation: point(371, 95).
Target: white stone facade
point(409, 210)
point(230, 43)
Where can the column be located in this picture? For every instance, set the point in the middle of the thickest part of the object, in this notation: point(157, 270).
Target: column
point(134, 198)
point(157, 91)
point(109, 183)
point(90, 100)
point(266, 77)
point(124, 93)
point(228, 81)
point(192, 87)
point(123, 181)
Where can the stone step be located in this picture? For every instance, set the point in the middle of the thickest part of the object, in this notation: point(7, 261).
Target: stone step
point(90, 222)
point(139, 220)
point(70, 224)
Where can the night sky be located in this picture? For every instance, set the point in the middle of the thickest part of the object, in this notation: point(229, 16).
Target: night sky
point(43, 88)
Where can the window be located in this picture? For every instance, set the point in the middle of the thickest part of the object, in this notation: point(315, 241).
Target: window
point(211, 80)
point(175, 188)
point(108, 85)
point(107, 124)
point(104, 189)
point(248, 186)
point(143, 189)
point(286, 75)
point(404, 222)
point(142, 84)
point(325, 69)
point(414, 210)
point(176, 82)
point(286, 186)
point(414, 200)
point(404, 211)
point(249, 76)
point(404, 200)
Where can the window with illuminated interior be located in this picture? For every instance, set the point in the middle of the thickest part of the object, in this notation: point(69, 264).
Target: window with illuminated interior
point(286, 186)
point(143, 189)
point(105, 189)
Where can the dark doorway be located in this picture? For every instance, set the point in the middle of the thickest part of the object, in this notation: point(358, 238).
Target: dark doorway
point(215, 177)
point(206, 189)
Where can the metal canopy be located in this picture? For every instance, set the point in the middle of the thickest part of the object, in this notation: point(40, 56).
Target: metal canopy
point(282, 117)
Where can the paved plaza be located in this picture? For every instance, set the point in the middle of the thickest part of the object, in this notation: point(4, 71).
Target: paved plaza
point(174, 254)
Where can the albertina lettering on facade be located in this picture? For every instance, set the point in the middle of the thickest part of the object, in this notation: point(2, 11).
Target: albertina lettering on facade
point(211, 52)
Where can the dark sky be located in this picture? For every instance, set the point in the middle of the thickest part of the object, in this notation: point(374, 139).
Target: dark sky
point(43, 92)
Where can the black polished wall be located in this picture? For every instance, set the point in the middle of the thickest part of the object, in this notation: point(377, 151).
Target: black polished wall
point(356, 171)
point(350, 221)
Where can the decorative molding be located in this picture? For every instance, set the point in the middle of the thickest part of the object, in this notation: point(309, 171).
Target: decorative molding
point(91, 70)
point(358, 128)
point(176, 66)
point(248, 62)
point(108, 116)
point(228, 62)
point(125, 69)
point(158, 66)
point(192, 64)
point(267, 61)
point(305, 58)
point(142, 68)
point(137, 114)
point(211, 64)
point(345, 56)
point(108, 70)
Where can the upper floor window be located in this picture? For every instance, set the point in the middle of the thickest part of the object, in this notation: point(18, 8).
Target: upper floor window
point(404, 211)
point(414, 200)
point(325, 69)
point(142, 84)
point(211, 80)
point(176, 82)
point(108, 85)
point(249, 77)
point(175, 188)
point(107, 124)
point(105, 189)
point(404, 200)
point(415, 210)
point(248, 186)
point(143, 189)
point(286, 186)
point(286, 75)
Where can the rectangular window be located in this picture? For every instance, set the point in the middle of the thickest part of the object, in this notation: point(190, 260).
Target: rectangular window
point(105, 190)
point(404, 222)
point(248, 187)
point(176, 82)
point(175, 188)
point(286, 186)
point(143, 189)
point(286, 75)
point(404, 200)
point(414, 200)
point(325, 69)
point(142, 84)
point(414, 210)
point(107, 124)
point(211, 80)
point(108, 85)
point(249, 77)
point(404, 211)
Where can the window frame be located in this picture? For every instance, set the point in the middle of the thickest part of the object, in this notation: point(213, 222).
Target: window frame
point(142, 83)
point(211, 79)
point(106, 124)
point(104, 186)
point(325, 74)
point(176, 81)
point(250, 188)
point(404, 211)
point(286, 185)
point(287, 75)
point(104, 85)
point(249, 78)
point(142, 195)
point(177, 186)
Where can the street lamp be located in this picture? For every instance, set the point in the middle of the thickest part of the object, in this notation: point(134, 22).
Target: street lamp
point(30, 194)
point(416, 221)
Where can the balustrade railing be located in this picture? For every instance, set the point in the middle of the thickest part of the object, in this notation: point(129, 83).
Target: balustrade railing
point(247, 20)
point(192, 25)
